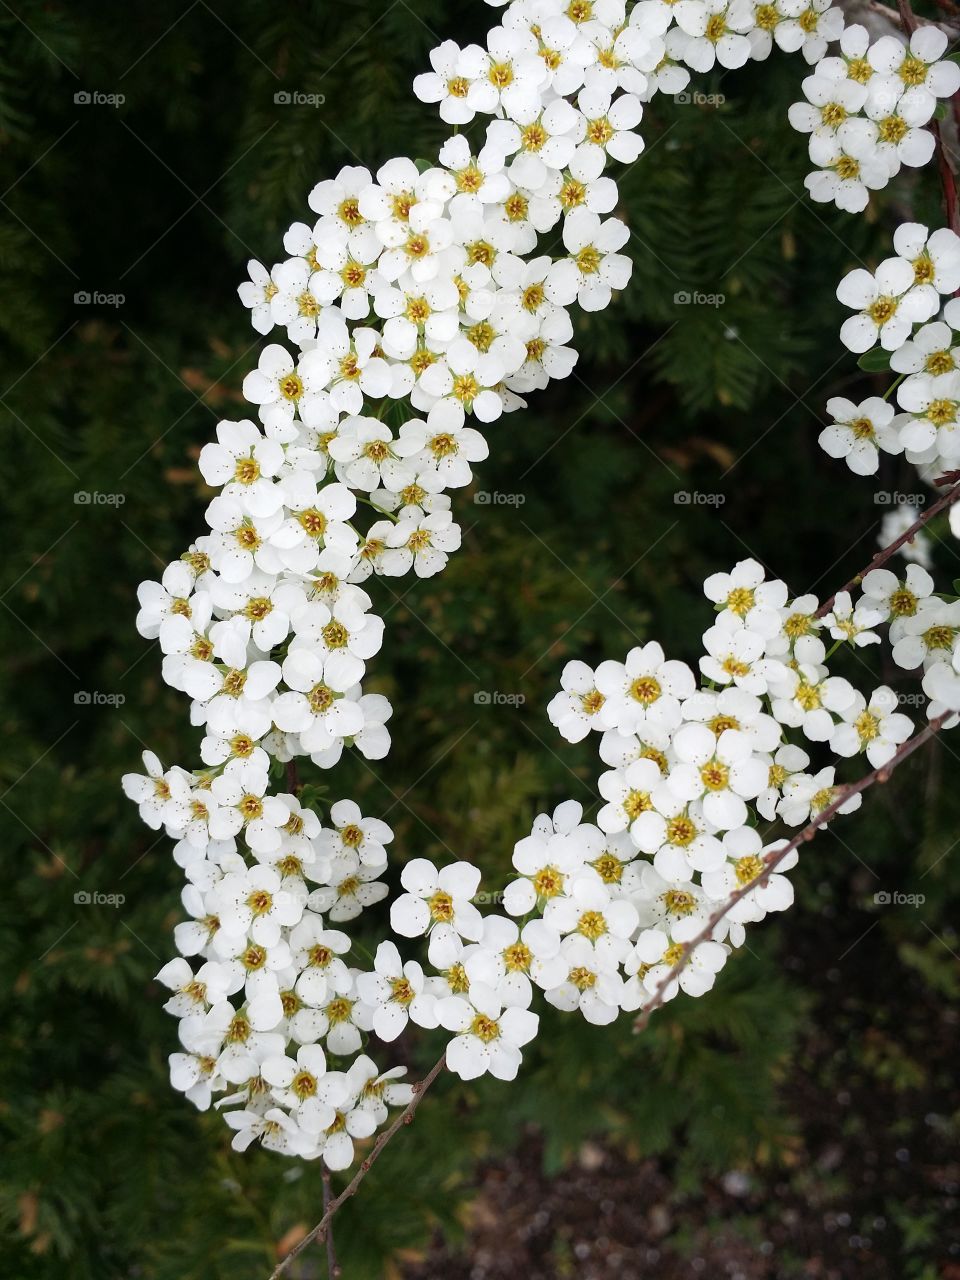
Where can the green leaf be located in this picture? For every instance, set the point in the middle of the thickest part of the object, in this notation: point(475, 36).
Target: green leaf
point(875, 361)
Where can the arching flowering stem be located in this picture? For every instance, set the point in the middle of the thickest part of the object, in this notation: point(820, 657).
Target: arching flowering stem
point(881, 558)
point(908, 20)
point(774, 860)
point(405, 1117)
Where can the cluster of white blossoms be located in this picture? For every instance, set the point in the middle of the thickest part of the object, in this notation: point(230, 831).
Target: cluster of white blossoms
point(907, 308)
point(417, 301)
point(866, 109)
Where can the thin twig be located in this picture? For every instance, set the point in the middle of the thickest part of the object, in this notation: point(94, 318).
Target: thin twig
point(333, 1267)
point(773, 860)
point(404, 1118)
point(877, 6)
point(881, 558)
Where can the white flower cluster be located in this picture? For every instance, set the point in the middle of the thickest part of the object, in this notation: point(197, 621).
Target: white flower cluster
point(693, 768)
point(416, 301)
point(866, 109)
point(906, 306)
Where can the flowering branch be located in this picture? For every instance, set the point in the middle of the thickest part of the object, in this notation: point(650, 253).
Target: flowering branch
point(947, 176)
point(319, 1232)
point(774, 860)
point(881, 558)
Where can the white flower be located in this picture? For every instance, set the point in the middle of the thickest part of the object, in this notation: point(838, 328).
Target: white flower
point(915, 70)
point(888, 306)
point(395, 991)
point(806, 796)
point(589, 983)
point(895, 597)
point(929, 636)
point(314, 705)
point(511, 77)
point(303, 1082)
point(367, 837)
point(550, 856)
point(735, 655)
point(365, 457)
point(744, 593)
point(716, 32)
point(608, 132)
point(723, 770)
point(254, 904)
point(574, 710)
point(787, 761)
point(257, 293)
point(439, 901)
point(859, 431)
point(628, 792)
point(353, 886)
point(594, 268)
point(747, 864)
point(442, 448)
point(275, 1130)
point(489, 1036)
point(421, 543)
point(875, 727)
point(646, 688)
point(933, 402)
point(847, 167)
point(931, 350)
point(941, 684)
point(898, 140)
point(454, 70)
point(830, 101)
point(656, 956)
point(853, 624)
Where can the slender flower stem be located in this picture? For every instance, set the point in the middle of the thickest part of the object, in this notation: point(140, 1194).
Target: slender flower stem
point(774, 860)
point(881, 558)
point(319, 1232)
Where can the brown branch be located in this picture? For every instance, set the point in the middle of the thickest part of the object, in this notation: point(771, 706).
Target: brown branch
point(877, 6)
point(293, 777)
point(883, 556)
point(319, 1232)
point(773, 860)
point(333, 1267)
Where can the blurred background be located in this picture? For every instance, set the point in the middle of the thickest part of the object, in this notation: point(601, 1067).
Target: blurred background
point(802, 1120)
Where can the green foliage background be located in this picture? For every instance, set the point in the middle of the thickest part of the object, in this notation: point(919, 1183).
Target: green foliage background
point(105, 1171)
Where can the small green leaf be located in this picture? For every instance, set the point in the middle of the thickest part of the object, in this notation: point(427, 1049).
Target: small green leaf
point(875, 361)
